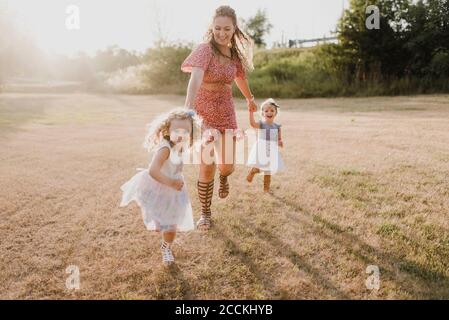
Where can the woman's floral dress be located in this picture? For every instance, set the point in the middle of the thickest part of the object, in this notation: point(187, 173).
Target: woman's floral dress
point(216, 107)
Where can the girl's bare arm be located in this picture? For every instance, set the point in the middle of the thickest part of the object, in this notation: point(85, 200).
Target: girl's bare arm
point(156, 165)
point(253, 122)
point(280, 143)
point(196, 78)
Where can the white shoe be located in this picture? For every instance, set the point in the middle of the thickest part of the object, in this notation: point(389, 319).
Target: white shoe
point(167, 255)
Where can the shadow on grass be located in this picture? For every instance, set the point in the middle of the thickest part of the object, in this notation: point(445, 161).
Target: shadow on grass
point(172, 284)
point(268, 280)
point(432, 284)
point(17, 111)
point(263, 278)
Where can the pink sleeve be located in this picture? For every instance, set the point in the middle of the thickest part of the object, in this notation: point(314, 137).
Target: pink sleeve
point(240, 71)
point(199, 57)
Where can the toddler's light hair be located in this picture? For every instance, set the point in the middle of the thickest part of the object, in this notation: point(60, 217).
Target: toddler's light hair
point(159, 128)
point(270, 102)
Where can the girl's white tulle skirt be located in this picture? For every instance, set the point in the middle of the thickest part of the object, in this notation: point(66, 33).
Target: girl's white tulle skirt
point(266, 157)
point(163, 208)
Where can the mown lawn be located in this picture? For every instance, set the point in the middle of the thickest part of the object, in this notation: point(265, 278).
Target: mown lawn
point(367, 184)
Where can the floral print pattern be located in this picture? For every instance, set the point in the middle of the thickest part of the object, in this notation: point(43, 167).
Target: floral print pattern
point(216, 107)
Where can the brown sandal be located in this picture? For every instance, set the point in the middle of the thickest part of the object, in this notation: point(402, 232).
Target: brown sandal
point(223, 191)
point(205, 192)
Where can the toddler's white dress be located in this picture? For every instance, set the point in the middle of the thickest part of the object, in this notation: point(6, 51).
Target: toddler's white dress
point(265, 154)
point(163, 208)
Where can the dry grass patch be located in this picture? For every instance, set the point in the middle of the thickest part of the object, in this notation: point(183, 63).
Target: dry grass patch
point(367, 184)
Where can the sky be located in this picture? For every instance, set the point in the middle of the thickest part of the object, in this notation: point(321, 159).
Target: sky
point(134, 24)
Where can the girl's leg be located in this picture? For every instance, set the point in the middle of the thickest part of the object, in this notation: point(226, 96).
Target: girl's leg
point(252, 173)
point(266, 182)
point(205, 186)
point(168, 236)
point(225, 169)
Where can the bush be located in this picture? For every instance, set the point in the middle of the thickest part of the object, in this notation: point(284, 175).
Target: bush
point(163, 72)
point(293, 73)
point(280, 73)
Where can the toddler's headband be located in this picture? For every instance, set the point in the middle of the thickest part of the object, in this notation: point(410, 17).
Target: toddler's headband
point(275, 104)
point(191, 113)
point(270, 101)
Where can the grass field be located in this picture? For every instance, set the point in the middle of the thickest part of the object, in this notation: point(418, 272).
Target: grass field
point(367, 184)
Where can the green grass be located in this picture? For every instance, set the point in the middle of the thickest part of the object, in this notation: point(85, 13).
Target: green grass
point(425, 244)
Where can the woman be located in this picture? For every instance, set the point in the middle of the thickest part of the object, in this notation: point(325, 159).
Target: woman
point(226, 56)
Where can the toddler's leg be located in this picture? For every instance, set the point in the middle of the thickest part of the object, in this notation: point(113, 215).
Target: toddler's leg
point(266, 183)
point(168, 236)
point(251, 174)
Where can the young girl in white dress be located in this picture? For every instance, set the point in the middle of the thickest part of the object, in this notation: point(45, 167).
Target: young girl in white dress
point(160, 191)
point(264, 156)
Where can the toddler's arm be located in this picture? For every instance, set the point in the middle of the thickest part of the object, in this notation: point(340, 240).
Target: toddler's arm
point(280, 143)
point(155, 170)
point(253, 122)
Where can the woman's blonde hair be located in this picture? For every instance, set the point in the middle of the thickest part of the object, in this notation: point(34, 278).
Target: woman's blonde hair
point(159, 128)
point(242, 44)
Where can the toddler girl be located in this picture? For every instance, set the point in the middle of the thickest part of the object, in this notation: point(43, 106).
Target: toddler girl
point(264, 156)
point(160, 191)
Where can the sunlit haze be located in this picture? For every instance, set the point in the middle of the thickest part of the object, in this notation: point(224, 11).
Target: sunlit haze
point(136, 24)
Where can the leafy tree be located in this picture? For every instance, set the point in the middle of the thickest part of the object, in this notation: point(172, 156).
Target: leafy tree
point(257, 27)
point(115, 58)
point(413, 40)
point(375, 52)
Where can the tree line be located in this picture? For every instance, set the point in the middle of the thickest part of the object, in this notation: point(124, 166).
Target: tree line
point(407, 54)
point(412, 41)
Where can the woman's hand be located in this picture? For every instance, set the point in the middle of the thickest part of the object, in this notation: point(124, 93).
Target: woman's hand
point(252, 106)
point(242, 84)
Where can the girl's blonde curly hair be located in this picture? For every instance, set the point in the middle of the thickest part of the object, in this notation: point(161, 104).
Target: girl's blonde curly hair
point(159, 128)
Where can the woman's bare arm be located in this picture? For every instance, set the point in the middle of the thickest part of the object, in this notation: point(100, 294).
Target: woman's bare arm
point(196, 78)
point(243, 86)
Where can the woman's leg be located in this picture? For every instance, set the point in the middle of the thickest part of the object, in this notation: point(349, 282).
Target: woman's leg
point(205, 186)
point(225, 169)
